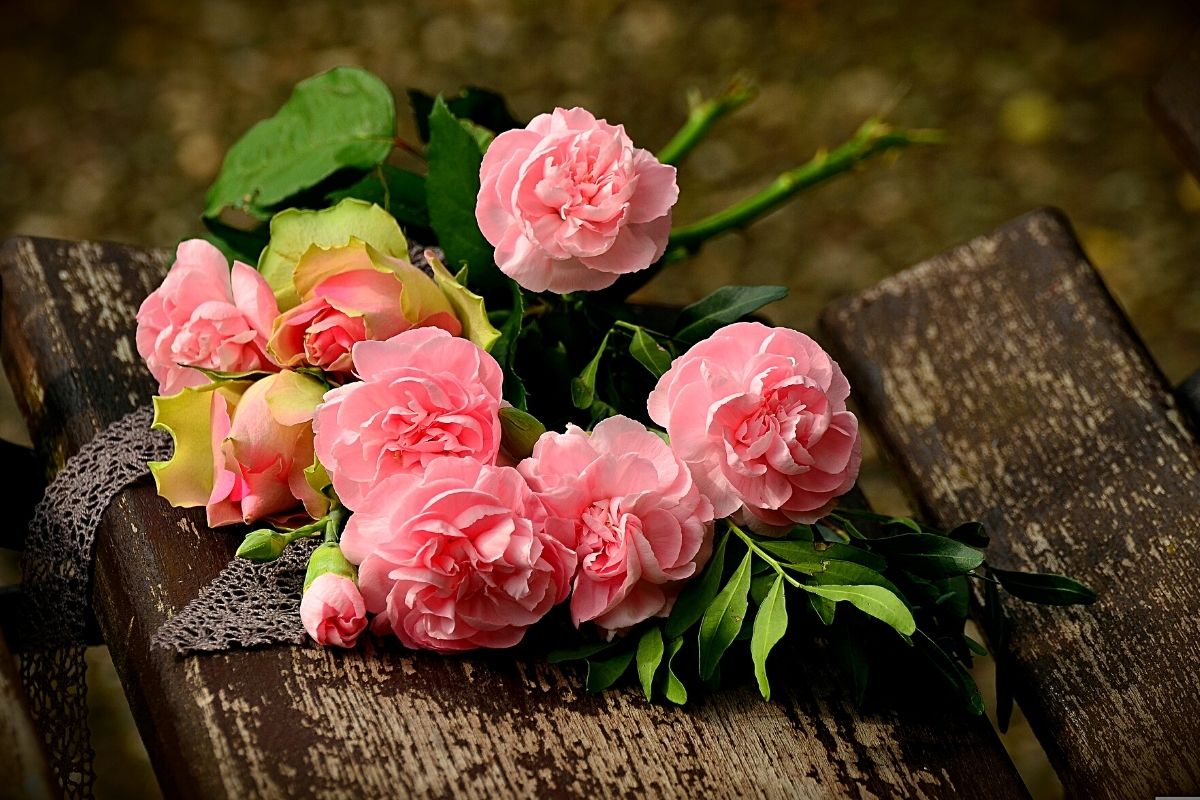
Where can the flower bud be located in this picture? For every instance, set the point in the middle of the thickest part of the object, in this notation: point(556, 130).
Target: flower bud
point(262, 546)
point(519, 431)
point(325, 559)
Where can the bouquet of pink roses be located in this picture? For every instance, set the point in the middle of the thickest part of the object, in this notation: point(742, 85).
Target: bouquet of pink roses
point(484, 433)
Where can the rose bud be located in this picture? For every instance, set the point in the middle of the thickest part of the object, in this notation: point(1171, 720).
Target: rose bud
point(262, 546)
point(332, 609)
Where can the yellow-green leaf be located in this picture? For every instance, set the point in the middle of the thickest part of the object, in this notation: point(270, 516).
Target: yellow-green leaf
point(468, 306)
point(769, 626)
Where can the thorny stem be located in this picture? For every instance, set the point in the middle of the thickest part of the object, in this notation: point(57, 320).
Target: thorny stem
point(703, 114)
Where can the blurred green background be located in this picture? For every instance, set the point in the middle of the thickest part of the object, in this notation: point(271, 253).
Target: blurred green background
point(114, 118)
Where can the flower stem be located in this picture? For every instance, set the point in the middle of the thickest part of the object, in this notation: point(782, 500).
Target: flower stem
point(873, 137)
point(758, 551)
point(703, 114)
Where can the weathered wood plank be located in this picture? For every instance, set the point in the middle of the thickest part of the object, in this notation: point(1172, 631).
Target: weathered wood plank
point(382, 721)
point(1174, 103)
point(1010, 388)
point(22, 762)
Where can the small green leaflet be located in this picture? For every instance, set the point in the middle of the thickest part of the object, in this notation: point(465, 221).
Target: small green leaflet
point(649, 353)
point(673, 688)
point(340, 119)
point(723, 620)
point(770, 624)
point(452, 189)
point(649, 655)
point(583, 386)
point(874, 601)
point(603, 674)
point(698, 594)
point(1044, 587)
point(725, 305)
point(928, 554)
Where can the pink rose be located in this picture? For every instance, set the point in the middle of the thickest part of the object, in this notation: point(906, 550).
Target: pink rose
point(759, 416)
point(629, 508)
point(333, 611)
point(241, 448)
point(457, 556)
point(207, 316)
point(423, 394)
point(569, 203)
point(352, 294)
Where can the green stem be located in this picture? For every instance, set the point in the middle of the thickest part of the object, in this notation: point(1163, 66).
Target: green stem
point(873, 138)
point(333, 523)
point(758, 551)
point(702, 115)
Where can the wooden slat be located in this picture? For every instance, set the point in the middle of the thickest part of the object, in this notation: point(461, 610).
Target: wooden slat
point(1011, 389)
point(1174, 102)
point(384, 722)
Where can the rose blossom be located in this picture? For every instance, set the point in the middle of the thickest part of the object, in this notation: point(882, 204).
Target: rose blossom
point(569, 203)
point(423, 394)
point(759, 416)
point(456, 556)
point(632, 513)
point(241, 448)
point(333, 611)
point(351, 294)
point(205, 315)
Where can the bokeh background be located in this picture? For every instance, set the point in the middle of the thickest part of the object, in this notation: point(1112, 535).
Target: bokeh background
point(114, 117)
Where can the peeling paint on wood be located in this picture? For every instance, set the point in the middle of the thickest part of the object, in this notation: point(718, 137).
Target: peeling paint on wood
point(1033, 407)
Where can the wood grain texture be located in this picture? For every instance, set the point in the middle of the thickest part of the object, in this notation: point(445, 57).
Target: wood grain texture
point(384, 722)
point(1010, 388)
point(1174, 103)
point(23, 769)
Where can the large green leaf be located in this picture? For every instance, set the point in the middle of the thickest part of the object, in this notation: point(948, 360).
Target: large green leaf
point(604, 673)
point(928, 554)
point(770, 624)
point(343, 118)
point(294, 231)
point(727, 304)
point(1044, 587)
point(698, 593)
point(483, 107)
point(723, 620)
point(649, 655)
point(468, 306)
point(808, 557)
point(399, 191)
point(874, 601)
point(451, 191)
point(848, 573)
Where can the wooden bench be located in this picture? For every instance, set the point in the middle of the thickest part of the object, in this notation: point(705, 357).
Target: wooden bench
point(1001, 376)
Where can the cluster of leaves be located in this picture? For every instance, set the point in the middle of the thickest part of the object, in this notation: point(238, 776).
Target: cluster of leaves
point(850, 572)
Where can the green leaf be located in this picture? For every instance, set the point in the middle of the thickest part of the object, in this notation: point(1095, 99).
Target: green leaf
point(519, 432)
point(583, 386)
point(697, 594)
point(343, 118)
point(483, 107)
point(806, 554)
point(603, 674)
point(823, 607)
point(725, 305)
point(578, 652)
point(1047, 588)
point(649, 353)
point(649, 656)
point(236, 244)
point(295, 231)
point(452, 189)
point(770, 624)
point(673, 688)
point(724, 618)
point(975, 647)
point(874, 601)
point(760, 585)
point(929, 554)
point(971, 533)
point(400, 192)
point(954, 596)
point(468, 306)
point(848, 573)
point(951, 671)
point(505, 349)
point(851, 658)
